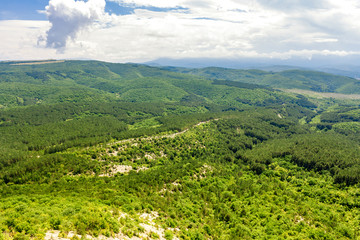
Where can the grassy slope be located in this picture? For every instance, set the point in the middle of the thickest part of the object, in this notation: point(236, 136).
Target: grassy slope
point(307, 80)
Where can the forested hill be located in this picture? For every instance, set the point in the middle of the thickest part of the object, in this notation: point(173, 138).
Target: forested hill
point(128, 151)
point(290, 79)
point(72, 81)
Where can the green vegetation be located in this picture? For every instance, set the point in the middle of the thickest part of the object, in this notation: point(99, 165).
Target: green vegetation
point(300, 79)
point(115, 150)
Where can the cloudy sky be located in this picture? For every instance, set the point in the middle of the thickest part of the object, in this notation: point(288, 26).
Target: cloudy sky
point(143, 30)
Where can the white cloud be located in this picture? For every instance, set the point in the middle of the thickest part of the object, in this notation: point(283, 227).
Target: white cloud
point(69, 17)
point(18, 39)
point(211, 28)
point(294, 5)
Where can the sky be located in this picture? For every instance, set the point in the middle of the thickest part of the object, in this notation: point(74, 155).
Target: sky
point(144, 30)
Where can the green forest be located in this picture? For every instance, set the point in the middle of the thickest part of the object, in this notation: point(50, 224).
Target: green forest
point(101, 150)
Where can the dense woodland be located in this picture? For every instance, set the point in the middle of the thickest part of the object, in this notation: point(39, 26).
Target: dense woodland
point(90, 148)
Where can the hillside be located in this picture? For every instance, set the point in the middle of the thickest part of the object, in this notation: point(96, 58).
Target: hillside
point(74, 81)
point(127, 151)
point(289, 79)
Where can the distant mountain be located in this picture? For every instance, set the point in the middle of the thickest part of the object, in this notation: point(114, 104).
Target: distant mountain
point(324, 64)
point(349, 71)
point(215, 62)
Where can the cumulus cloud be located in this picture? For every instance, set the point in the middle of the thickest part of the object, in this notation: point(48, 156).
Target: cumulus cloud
point(68, 18)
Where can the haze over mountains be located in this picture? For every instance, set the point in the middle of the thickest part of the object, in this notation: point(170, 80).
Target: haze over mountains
point(345, 66)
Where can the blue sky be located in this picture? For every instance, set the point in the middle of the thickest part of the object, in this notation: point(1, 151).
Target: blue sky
point(22, 9)
point(29, 10)
point(143, 30)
